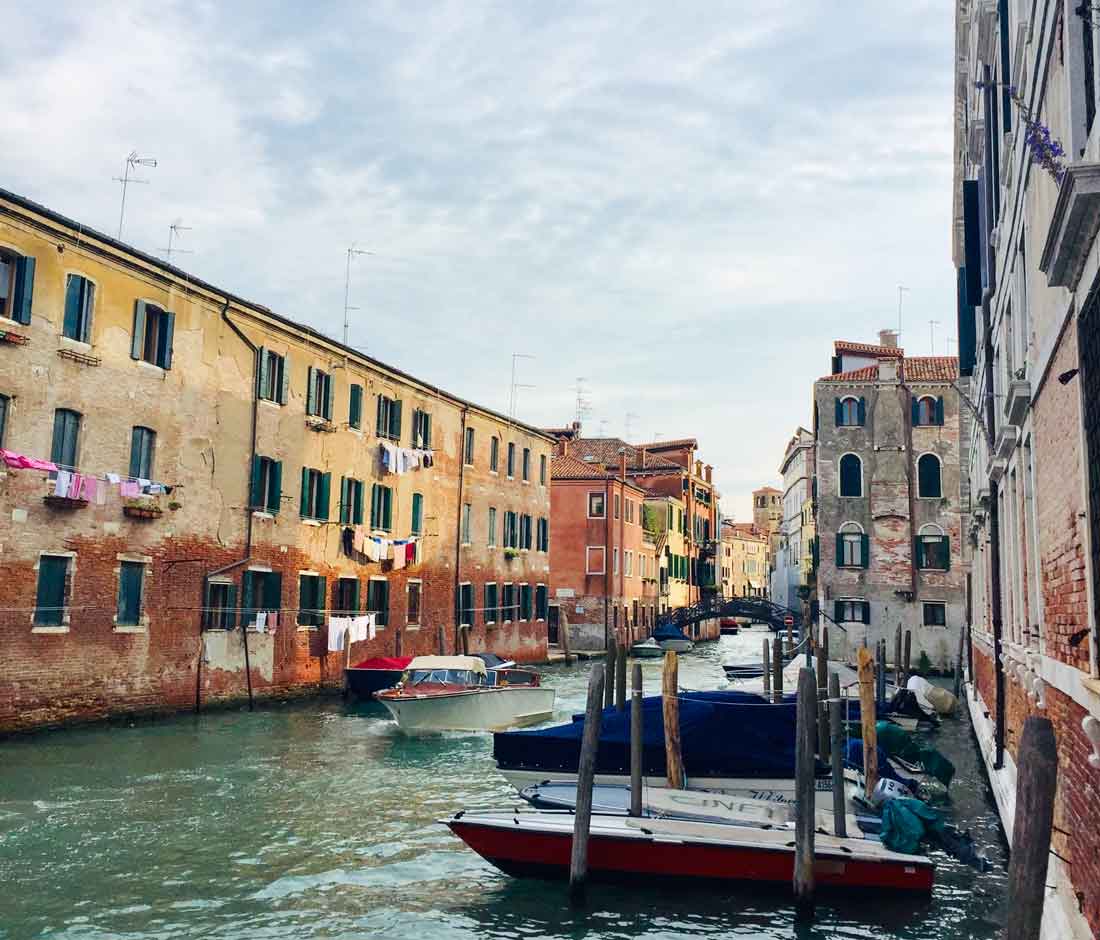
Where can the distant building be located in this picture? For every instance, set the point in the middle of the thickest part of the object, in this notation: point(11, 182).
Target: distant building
point(743, 560)
point(767, 516)
point(665, 522)
point(793, 567)
point(889, 503)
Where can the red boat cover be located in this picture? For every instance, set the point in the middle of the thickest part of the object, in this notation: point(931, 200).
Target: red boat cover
point(385, 662)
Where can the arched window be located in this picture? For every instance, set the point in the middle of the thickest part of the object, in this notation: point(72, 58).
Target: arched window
point(933, 549)
point(851, 475)
point(929, 483)
point(850, 412)
point(851, 546)
point(927, 411)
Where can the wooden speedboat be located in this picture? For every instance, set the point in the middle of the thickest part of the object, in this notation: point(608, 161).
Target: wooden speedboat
point(459, 693)
point(373, 675)
point(647, 649)
point(539, 844)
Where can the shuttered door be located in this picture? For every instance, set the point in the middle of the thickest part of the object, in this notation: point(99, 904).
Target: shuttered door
point(49, 607)
point(130, 577)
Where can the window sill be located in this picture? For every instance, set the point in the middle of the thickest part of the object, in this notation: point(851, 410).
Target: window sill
point(412, 626)
point(306, 629)
point(50, 630)
point(264, 514)
point(67, 342)
point(270, 402)
point(130, 628)
point(312, 522)
point(147, 365)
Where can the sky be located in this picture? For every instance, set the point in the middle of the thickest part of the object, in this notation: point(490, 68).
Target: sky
point(683, 204)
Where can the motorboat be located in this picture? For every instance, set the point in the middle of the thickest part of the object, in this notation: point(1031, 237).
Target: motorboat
point(460, 693)
point(373, 675)
point(539, 843)
point(728, 626)
point(647, 649)
point(672, 639)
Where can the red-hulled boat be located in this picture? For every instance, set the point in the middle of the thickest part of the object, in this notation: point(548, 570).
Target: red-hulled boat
point(373, 675)
point(539, 844)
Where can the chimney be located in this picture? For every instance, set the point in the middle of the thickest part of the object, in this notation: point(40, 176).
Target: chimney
point(622, 465)
point(888, 338)
point(707, 472)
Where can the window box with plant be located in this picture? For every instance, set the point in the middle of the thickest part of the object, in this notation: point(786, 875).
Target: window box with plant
point(142, 507)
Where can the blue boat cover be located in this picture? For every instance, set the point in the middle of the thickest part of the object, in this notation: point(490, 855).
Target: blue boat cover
point(722, 734)
point(668, 631)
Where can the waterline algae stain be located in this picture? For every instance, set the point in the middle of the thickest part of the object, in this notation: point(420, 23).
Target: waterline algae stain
point(318, 819)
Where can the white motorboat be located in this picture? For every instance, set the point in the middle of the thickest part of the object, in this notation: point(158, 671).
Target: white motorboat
point(647, 649)
point(458, 693)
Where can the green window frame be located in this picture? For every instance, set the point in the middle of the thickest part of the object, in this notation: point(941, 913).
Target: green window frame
point(378, 600)
point(219, 605)
point(494, 454)
point(355, 406)
point(542, 543)
point(525, 602)
point(153, 334)
point(315, 494)
point(79, 303)
point(311, 600)
point(52, 596)
point(131, 584)
point(66, 437)
point(525, 465)
point(467, 512)
point(260, 590)
point(935, 614)
point(468, 448)
point(466, 612)
point(492, 534)
point(351, 501)
point(542, 601)
point(388, 418)
point(16, 286)
point(511, 464)
point(273, 377)
point(5, 403)
point(266, 491)
point(318, 393)
point(143, 443)
point(421, 429)
point(525, 531)
point(345, 596)
point(492, 603)
point(508, 603)
point(417, 525)
point(381, 508)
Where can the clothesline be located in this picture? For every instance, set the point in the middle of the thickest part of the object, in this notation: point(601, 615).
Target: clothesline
point(16, 461)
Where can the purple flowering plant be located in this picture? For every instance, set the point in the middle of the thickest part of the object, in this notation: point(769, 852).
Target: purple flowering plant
point(1046, 151)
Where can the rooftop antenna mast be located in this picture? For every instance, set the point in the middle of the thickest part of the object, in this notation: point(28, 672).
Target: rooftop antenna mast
point(901, 292)
point(932, 324)
point(173, 233)
point(628, 425)
point(516, 385)
point(352, 250)
point(584, 404)
point(132, 162)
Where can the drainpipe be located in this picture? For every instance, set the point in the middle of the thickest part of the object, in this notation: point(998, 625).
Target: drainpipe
point(459, 636)
point(990, 421)
point(606, 558)
point(248, 508)
point(622, 548)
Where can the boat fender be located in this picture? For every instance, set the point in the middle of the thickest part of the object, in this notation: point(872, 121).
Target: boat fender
point(643, 829)
point(460, 814)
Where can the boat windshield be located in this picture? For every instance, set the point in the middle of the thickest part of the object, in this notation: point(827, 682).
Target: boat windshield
point(444, 677)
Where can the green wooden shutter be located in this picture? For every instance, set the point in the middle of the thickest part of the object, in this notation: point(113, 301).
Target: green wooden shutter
point(129, 594)
point(166, 337)
point(50, 599)
point(914, 408)
point(865, 550)
point(866, 611)
point(839, 550)
point(357, 510)
point(355, 406)
point(939, 411)
point(74, 297)
point(838, 412)
point(284, 390)
point(275, 491)
point(231, 605)
point(838, 612)
point(384, 613)
point(249, 601)
point(395, 420)
point(137, 338)
point(322, 593)
point(328, 397)
point(355, 596)
point(379, 428)
point(273, 590)
point(375, 504)
point(862, 411)
point(322, 499)
point(427, 442)
point(254, 498)
point(918, 552)
point(262, 372)
point(345, 502)
point(946, 553)
point(24, 290)
point(303, 505)
point(387, 508)
point(311, 392)
point(417, 513)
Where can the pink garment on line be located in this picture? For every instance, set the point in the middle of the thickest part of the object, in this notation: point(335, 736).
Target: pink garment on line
point(128, 489)
point(22, 462)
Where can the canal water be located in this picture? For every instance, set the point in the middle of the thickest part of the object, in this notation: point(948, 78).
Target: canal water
point(318, 819)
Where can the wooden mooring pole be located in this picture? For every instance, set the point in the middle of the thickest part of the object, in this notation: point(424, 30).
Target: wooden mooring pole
point(836, 731)
point(959, 663)
point(866, 665)
point(620, 679)
point(906, 661)
point(670, 708)
point(804, 807)
point(636, 740)
point(897, 657)
point(822, 690)
point(777, 671)
point(1036, 778)
point(611, 658)
point(586, 774)
point(767, 670)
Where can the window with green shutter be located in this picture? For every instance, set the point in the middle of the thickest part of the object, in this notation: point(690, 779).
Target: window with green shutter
point(267, 484)
point(142, 446)
point(319, 393)
point(388, 418)
point(315, 494)
point(153, 334)
point(525, 602)
point(466, 604)
point(131, 580)
point(494, 454)
point(468, 448)
point(492, 535)
point(16, 286)
point(355, 406)
point(542, 469)
point(219, 605)
point(311, 600)
point(274, 376)
point(345, 597)
point(526, 464)
point(508, 603)
point(381, 508)
point(51, 599)
point(79, 301)
point(378, 600)
point(4, 403)
point(66, 437)
point(492, 604)
point(351, 501)
point(417, 525)
point(421, 429)
point(542, 600)
point(511, 461)
point(261, 590)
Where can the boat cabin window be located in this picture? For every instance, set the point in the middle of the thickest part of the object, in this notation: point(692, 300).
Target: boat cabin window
point(443, 676)
point(512, 677)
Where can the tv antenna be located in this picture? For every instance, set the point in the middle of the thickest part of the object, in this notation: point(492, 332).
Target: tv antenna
point(132, 162)
point(932, 324)
point(352, 250)
point(584, 404)
point(628, 425)
point(173, 233)
point(516, 385)
point(901, 292)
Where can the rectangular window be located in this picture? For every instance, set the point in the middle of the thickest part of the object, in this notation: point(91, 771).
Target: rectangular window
point(542, 542)
point(511, 530)
point(468, 448)
point(152, 337)
point(615, 560)
point(525, 531)
point(492, 604)
point(51, 601)
point(267, 484)
point(79, 301)
point(466, 513)
point(381, 507)
point(511, 460)
point(143, 443)
point(618, 509)
point(351, 501)
point(596, 507)
point(933, 553)
point(4, 403)
point(417, 527)
point(355, 406)
point(628, 564)
point(542, 469)
point(594, 560)
point(492, 527)
point(852, 550)
point(219, 608)
point(66, 438)
point(542, 600)
point(508, 603)
point(466, 604)
point(494, 454)
point(319, 394)
point(311, 600)
point(345, 597)
point(262, 590)
point(315, 494)
point(16, 286)
point(388, 418)
point(421, 429)
point(274, 378)
point(412, 602)
point(851, 611)
point(378, 600)
point(935, 615)
point(526, 464)
point(525, 602)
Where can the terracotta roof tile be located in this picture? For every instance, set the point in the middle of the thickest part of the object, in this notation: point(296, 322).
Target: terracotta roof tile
point(569, 468)
point(867, 349)
point(609, 451)
point(669, 445)
point(914, 369)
